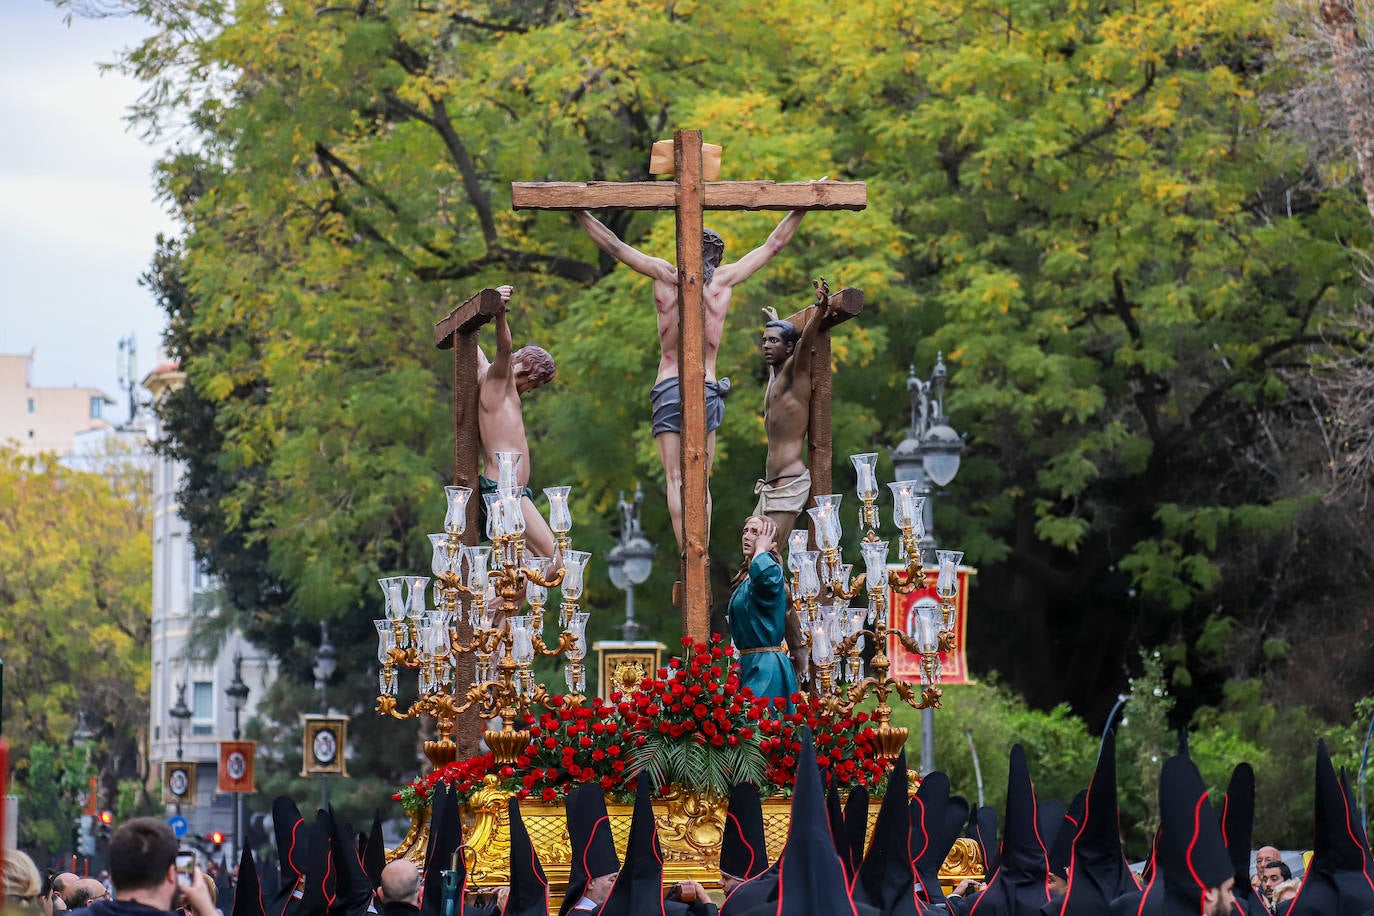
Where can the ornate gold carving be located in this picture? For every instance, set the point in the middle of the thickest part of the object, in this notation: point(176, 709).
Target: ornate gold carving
point(690, 827)
point(965, 860)
point(689, 831)
point(440, 753)
point(628, 675)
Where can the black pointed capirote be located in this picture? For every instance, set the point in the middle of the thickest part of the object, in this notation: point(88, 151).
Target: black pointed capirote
point(445, 838)
point(886, 879)
point(593, 849)
point(529, 887)
point(743, 853)
point(374, 853)
point(1238, 823)
point(353, 890)
point(248, 890)
point(928, 817)
point(834, 814)
point(982, 827)
point(291, 833)
point(1098, 871)
point(1019, 886)
point(1339, 880)
point(638, 889)
point(856, 825)
point(1061, 846)
point(811, 879)
point(1191, 858)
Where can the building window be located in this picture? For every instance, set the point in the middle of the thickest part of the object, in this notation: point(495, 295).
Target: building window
point(95, 408)
point(32, 405)
point(202, 708)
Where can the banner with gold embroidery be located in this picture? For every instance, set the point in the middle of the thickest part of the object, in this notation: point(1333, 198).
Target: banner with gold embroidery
point(906, 666)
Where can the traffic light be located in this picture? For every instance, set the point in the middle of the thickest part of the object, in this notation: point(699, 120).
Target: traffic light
point(85, 844)
point(104, 826)
point(216, 840)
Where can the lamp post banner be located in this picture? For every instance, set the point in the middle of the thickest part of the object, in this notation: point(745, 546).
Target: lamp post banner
point(906, 666)
point(179, 782)
point(236, 766)
point(325, 742)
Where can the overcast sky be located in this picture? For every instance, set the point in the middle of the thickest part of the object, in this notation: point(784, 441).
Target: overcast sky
point(78, 221)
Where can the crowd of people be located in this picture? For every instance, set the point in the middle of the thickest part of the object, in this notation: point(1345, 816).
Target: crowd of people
point(1048, 859)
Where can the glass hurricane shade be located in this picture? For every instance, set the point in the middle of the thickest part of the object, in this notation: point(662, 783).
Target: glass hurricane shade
point(796, 546)
point(456, 517)
point(866, 467)
point(947, 582)
point(574, 566)
point(507, 465)
point(560, 518)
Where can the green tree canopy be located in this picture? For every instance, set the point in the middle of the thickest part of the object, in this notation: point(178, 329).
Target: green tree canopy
point(75, 594)
point(1131, 275)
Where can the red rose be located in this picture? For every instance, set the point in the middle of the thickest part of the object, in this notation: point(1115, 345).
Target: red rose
point(548, 795)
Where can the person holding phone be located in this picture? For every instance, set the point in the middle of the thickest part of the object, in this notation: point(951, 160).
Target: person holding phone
point(144, 868)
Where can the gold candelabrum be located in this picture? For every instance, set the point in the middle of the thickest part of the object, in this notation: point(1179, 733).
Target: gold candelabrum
point(822, 589)
point(479, 594)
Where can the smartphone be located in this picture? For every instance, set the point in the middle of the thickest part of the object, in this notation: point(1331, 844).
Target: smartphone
point(186, 867)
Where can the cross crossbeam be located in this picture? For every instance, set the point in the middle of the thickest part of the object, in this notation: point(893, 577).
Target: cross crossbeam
point(662, 195)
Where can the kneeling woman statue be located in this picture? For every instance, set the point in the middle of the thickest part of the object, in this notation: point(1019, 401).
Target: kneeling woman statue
point(758, 613)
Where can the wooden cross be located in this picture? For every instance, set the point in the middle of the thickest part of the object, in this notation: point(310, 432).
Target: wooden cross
point(458, 332)
point(688, 195)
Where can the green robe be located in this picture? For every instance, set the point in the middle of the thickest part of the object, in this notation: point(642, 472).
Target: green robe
point(758, 610)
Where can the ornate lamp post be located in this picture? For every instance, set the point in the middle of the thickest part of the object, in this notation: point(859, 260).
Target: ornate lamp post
point(326, 660)
point(929, 455)
point(237, 692)
point(181, 714)
point(631, 560)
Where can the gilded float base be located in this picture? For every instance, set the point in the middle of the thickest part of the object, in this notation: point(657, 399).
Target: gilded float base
point(689, 831)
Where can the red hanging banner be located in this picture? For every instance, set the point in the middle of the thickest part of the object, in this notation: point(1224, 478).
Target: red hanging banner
point(236, 766)
point(906, 666)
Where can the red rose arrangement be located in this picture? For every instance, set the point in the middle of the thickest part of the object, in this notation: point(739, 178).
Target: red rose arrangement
point(844, 746)
point(692, 724)
point(695, 724)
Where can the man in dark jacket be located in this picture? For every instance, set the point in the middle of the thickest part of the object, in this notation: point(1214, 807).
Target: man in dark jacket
point(399, 893)
point(143, 855)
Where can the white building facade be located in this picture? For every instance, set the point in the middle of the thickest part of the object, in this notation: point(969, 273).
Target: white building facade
point(181, 593)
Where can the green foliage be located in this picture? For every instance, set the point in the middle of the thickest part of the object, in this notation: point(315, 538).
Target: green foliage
point(1059, 749)
point(51, 792)
point(1082, 208)
point(75, 593)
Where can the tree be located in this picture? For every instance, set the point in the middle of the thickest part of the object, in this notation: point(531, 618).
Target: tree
point(75, 589)
point(1082, 208)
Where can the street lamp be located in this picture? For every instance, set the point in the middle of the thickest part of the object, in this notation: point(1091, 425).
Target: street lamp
point(181, 714)
point(631, 560)
point(81, 734)
point(928, 455)
point(237, 692)
point(326, 660)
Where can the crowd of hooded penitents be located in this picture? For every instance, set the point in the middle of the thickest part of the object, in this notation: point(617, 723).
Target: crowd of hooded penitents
point(1199, 865)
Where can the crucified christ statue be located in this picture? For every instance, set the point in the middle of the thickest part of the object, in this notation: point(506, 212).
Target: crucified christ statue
point(717, 291)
